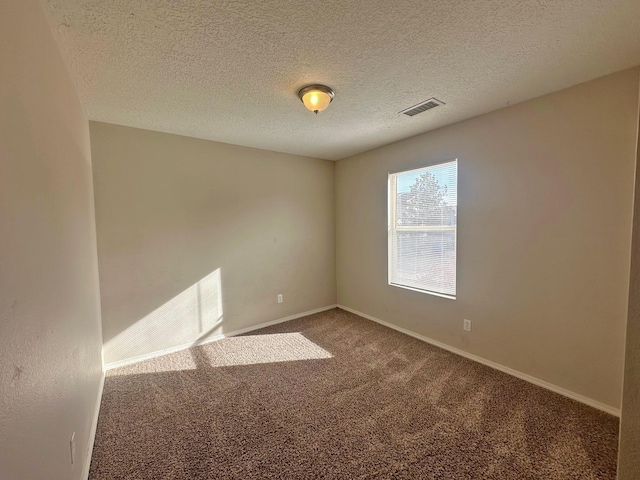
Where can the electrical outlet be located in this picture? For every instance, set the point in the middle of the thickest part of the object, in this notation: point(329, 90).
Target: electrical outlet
point(280, 300)
point(467, 325)
point(72, 447)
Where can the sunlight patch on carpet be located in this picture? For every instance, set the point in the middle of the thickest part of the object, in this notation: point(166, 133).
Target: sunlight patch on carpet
point(256, 349)
point(173, 362)
point(230, 352)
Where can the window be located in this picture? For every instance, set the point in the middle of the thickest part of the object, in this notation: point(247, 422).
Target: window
point(423, 210)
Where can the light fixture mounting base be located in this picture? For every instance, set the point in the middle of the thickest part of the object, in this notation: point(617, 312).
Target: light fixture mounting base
point(321, 88)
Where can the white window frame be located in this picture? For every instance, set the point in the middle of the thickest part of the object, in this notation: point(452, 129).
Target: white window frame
point(392, 197)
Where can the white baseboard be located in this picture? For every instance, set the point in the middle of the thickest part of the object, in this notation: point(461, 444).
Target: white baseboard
point(94, 428)
point(497, 366)
point(177, 348)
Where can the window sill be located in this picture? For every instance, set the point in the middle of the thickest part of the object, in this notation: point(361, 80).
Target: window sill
point(429, 292)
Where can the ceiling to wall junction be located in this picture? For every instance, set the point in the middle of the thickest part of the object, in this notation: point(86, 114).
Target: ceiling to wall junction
point(229, 70)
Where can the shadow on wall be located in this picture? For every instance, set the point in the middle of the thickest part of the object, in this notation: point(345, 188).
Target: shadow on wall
point(192, 315)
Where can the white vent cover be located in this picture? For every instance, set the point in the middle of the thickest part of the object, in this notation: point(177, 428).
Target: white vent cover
point(422, 107)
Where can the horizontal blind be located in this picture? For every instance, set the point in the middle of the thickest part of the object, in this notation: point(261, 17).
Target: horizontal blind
point(423, 210)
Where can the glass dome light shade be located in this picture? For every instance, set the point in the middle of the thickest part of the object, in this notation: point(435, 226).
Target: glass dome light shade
point(316, 97)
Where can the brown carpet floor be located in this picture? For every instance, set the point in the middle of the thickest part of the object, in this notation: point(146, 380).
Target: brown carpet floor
point(336, 396)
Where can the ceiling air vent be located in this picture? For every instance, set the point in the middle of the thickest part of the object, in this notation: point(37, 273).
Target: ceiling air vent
point(422, 107)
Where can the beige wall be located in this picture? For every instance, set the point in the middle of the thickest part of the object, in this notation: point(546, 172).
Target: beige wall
point(545, 199)
point(629, 452)
point(197, 238)
point(50, 341)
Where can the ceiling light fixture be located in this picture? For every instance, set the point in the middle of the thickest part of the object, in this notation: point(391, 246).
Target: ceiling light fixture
point(316, 97)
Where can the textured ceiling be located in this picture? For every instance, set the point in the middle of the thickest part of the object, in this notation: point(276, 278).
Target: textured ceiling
point(229, 70)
